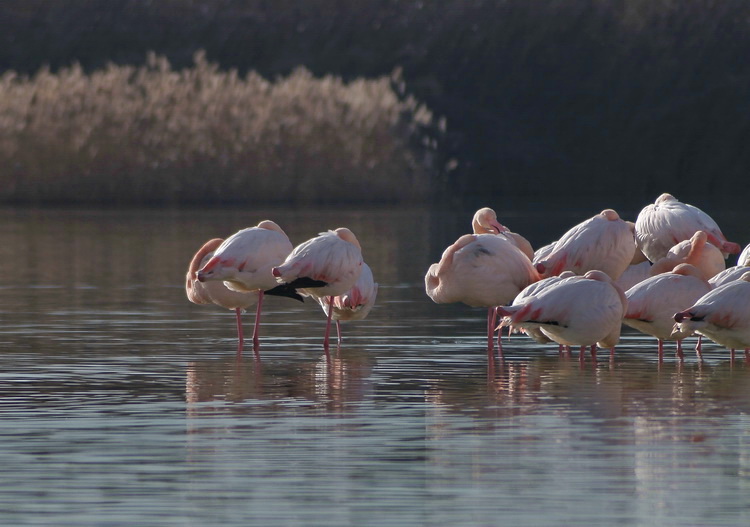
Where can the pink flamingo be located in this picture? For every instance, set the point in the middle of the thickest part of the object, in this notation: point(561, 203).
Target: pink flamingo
point(356, 303)
point(604, 242)
point(697, 252)
point(485, 222)
point(722, 315)
point(729, 274)
point(323, 267)
point(576, 311)
point(480, 270)
point(668, 221)
point(216, 292)
point(244, 262)
point(653, 303)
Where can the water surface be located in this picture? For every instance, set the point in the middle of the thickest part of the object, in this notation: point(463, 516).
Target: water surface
point(124, 404)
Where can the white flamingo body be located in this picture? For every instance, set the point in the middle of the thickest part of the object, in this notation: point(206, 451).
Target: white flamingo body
point(744, 257)
point(480, 270)
point(604, 242)
point(696, 251)
point(532, 290)
point(323, 267)
point(634, 274)
point(668, 221)
point(245, 260)
point(722, 315)
point(653, 302)
point(576, 311)
point(728, 275)
point(216, 292)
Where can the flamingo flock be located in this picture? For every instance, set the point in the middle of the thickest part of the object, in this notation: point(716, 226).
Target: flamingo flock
point(663, 275)
point(239, 271)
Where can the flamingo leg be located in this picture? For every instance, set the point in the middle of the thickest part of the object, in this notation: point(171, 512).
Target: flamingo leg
point(731, 354)
point(491, 314)
point(256, 328)
point(593, 351)
point(240, 337)
point(328, 324)
point(660, 349)
point(679, 350)
point(747, 355)
point(338, 331)
point(699, 348)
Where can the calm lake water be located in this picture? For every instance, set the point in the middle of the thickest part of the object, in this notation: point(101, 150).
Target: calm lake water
point(124, 404)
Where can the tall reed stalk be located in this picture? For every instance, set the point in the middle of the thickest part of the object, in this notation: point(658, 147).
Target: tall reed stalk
point(151, 134)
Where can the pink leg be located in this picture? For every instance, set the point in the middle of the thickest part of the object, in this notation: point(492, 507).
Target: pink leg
point(679, 350)
point(747, 355)
point(491, 317)
point(338, 331)
point(699, 348)
point(660, 349)
point(328, 324)
point(593, 352)
point(581, 353)
point(731, 354)
point(256, 328)
point(240, 337)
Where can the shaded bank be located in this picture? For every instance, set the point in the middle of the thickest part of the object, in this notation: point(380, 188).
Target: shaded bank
point(536, 94)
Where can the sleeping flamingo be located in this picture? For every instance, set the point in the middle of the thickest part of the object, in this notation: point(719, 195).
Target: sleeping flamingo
point(244, 262)
point(356, 303)
point(576, 311)
point(480, 270)
point(730, 274)
point(604, 242)
point(216, 292)
point(697, 252)
point(653, 303)
point(744, 257)
point(485, 222)
point(323, 267)
point(723, 315)
point(668, 221)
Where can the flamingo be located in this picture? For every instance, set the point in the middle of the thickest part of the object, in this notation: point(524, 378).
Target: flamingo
point(722, 315)
point(485, 222)
point(480, 270)
point(744, 257)
point(729, 274)
point(356, 303)
point(244, 262)
point(668, 221)
point(216, 292)
point(695, 251)
point(604, 242)
point(653, 303)
point(576, 311)
point(323, 267)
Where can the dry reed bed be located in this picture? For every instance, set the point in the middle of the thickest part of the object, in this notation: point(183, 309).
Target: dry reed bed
point(151, 134)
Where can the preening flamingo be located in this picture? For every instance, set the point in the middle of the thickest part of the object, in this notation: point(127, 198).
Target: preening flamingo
point(668, 221)
point(356, 303)
point(576, 311)
point(722, 315)
point(216, 292)
point(244, 262)
point(480, 270)
point(604, 242)
point(697, 252)
point(323, 267)
point(485, 222)
point(653, 302)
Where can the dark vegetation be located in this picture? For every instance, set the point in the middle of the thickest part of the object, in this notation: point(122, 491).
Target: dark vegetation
point(568, 98)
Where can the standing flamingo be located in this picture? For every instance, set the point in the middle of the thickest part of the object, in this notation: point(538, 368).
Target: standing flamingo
point(668, 221)
point(480, 270)
point(722, 315)
point(356, 303)
point(576, 311)
point(323, 267)
point(653, 303)
point(216, 292)
point(244, 262)
point(604, 242)
point(485, 222)
point(697, 252)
